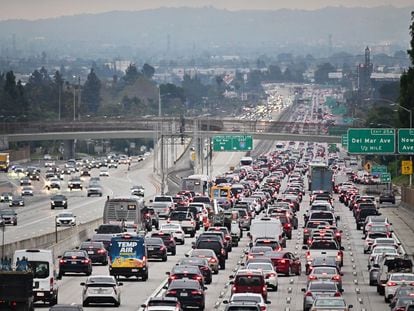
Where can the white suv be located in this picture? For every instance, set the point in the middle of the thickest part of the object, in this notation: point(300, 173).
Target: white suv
point(101, 289)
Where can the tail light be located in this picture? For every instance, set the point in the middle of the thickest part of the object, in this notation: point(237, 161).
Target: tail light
point(263, 308)
point(196, 292)
point(391, 283)
point(308, 294)
point(337, 294)
point(212, 260)
point(336, 278)
point(283, 261)
point(228, 238)
point(312, 277)
point(162, 248)
point(101, 251)
point(85, 261)
point(306, 231)
point(172, 292)
point(264, 289)
point(62, 261)
point(272, 274)
point(171, 239)
point(338, 234)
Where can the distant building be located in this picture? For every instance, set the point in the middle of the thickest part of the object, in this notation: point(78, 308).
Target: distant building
point(364, 75)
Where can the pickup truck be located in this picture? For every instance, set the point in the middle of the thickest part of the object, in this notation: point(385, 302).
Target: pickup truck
point(185, 219)
point(325, 248)
point(162, 205)
point(16, 290)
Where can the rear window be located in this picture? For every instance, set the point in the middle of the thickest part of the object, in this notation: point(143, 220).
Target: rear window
point(246, 308)
point(74, 254)
point(329, 287)
point(322, 216)
point(91, 245)
point(209, 244)
point(109, 229)
point(323, 245)
point(179, 216)
point(249, 280)
point(40, 269)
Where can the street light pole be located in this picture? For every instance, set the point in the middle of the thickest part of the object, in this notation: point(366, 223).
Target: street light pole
point(56, 230)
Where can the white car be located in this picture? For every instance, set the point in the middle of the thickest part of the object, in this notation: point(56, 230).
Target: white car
point(248, 297)
point(393, 282)
point(27, 190)
point(104, 172)
point(384, 242)
point(176, 230)
point(101, 289)
point(269, 272)
point(65, 219)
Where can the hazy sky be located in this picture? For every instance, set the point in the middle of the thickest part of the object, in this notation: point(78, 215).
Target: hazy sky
point(35, 9)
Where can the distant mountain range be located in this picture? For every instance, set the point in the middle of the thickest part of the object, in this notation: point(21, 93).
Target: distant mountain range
point(191, 31)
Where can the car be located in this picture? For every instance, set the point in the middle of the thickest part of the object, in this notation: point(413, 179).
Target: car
point(162, 303)
point(215, 245)
point(326, 273)
point(210, 255)
point(186, 272)
point(8, 216)
point(167, 239)
point(393, 281)
point(96, 251)
point(156, 248)
point(101, 289)
point(268, 271)
point(285, 262)
point(65, 219)
point(138, 191)
point(401, 292)
point(104, 172)
point(319, 288)
point(25, 181)
point(6, 197)
point(188, 292)
point(176, 230)
point(201, 263)
point(331, 304)
point(26, 191)
point(75, 183)
point(387, 196)
point(53, 183)
point(17, 200)
point(246, 301)
point(257, 251)
point(94, 189)
point(74, 261)
point(58, 200)
point(66, 307)
point(249, 281)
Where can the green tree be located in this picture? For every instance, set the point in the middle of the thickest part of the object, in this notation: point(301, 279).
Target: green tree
point(407, 83)
point(91, 93)
point(321, 73)
point(131, 74)
point(274, 73)
point(148, 71)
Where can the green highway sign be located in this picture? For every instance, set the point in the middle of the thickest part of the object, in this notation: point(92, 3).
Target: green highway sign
point(344, 140)
point(378, 169)
point(406, 141)
point(233, 143)
point(385, 178)
point(371, 140)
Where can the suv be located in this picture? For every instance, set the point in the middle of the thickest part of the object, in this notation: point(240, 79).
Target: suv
point(249, 281)
point(387, 196)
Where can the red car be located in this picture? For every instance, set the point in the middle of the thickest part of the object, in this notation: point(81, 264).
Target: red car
point(285, 262)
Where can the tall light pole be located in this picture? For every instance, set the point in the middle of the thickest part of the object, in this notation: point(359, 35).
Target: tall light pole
point(411, 123)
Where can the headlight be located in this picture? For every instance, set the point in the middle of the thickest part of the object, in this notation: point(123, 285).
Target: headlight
point(63, 202)
point(52, 202)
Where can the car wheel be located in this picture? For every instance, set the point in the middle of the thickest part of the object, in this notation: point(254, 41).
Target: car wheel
point(275, 288)
point(173, 252)
point(117, 304)
point(223, 265)
point(164, 258)
point(88, 273)
point(85, 304)
point(192, 234)
point(52, 207)
point(145, 276)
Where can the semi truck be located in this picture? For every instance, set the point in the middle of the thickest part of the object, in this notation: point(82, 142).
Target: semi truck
point(4, 162)
point(16, 290)
point(320, 177)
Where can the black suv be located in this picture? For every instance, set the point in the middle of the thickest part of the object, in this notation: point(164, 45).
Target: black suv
point(387, 196)
point(214, 244)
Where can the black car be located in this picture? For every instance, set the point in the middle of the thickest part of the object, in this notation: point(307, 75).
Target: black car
point(17, 201)
point(201, 263)
point(156, 248)
point(75, 261)
point(168, 239)
point(387, 196)
point(188, 292)
point(186, 272)
point(59, 200)
point(96, 251)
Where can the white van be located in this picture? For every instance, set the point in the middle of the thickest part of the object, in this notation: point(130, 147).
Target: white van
point(42, 263)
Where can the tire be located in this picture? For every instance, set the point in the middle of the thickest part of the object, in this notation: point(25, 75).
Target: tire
point(85, 304)
point(358, 227)
point(145, 276)
point(52, 207)
point(276, 288)
point(105, 263)
point(192, 234)
point(289, 271)
point(386, 299)
point(164, 258)
point(298, 272)
point(223, 265)
point(54, 301)
point(15, 224)
point(59, 276)
point(173, 252)
point(117, 304)
point(88, 273)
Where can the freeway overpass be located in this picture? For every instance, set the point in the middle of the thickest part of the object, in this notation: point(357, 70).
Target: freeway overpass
point(147, 128)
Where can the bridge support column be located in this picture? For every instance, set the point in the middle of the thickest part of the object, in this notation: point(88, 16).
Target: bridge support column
point(69, 149)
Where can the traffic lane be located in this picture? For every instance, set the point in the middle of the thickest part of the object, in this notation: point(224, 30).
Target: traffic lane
point(136, 292)
point(38, 219)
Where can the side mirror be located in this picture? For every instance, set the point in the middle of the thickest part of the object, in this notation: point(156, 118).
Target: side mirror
point(231, 276)
point(120, 284)
point(205, 287)
point(341, 290)
point(231, 282)
point(165, 286)
point(167, 273)
point(379, 214)
point(350, 306)
point(242, 264)
point(143, 305)
point(303, 290)
point(268, 302)
point(151, 201)
point(338, 218)
point(82, 283)
point(96, 230)
point(342, 248)
point(305, 247)
point(341, 274)
point(225, 302)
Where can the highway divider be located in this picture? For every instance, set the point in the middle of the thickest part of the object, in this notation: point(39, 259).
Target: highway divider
point(68, 238)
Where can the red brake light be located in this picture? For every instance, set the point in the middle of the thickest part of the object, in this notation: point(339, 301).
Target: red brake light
point(391, 283)
point(101, 251)
point(337, 294)
point(196, 292)
point(308, 294)
point(312, 277)
point(336, 277)
point(283, 261)
point(172, 292)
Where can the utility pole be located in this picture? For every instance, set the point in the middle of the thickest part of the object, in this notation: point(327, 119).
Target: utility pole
point(74, 103)
point(79, 98)
point(60, 99)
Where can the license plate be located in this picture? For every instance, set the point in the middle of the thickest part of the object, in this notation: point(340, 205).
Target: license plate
point(90, 252)
point(40, 294)
point(73, 262)
point(134, 270)
point(183, 294)
point(150, 248)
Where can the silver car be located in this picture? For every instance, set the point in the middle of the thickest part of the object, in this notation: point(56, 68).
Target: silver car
point(101, 289)
point(65, 219)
